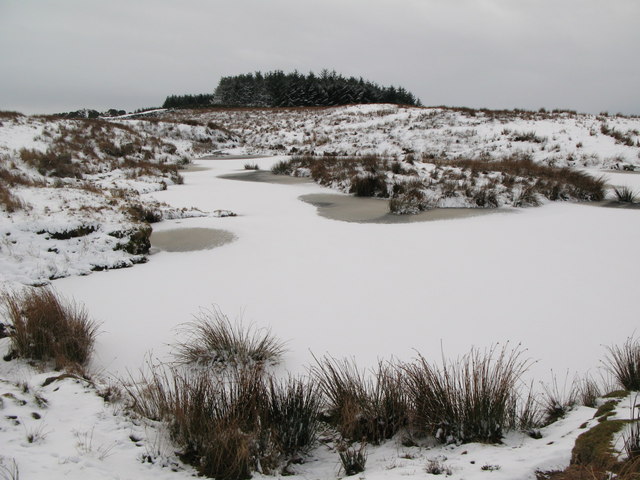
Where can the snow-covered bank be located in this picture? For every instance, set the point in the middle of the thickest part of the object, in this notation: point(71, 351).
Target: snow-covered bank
point(72, 191)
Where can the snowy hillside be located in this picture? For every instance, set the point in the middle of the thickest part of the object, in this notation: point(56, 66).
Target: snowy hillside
point(560, 139)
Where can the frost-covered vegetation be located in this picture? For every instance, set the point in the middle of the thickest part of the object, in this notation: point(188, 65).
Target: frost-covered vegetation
point(415, 186)
point(561, 138)
point(72, 190)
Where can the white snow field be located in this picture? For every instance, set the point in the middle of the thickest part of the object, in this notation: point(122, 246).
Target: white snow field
point(560, 279)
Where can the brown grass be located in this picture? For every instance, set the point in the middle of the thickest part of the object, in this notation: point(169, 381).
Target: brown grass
point(471, 400)
point(231, 424)
point(48, 327)
point(361, 405)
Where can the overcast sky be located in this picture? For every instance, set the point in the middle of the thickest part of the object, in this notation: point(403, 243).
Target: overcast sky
point(60, 55)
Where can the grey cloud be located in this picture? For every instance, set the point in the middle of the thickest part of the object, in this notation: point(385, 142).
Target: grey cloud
point(66, 54)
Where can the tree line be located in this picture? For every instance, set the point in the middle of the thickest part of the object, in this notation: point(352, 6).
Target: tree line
point(279, 89)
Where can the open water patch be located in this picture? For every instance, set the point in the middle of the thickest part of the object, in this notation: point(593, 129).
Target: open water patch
point(190, 239)
point(347, 208)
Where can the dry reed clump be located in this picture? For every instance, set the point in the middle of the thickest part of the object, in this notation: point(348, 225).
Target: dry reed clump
point(623, 362)
point(230, 424)
point(558, 401)
point(213, 339)
point(353, 458)
point(588, 392)
point(361, 406)
point(471, 400)
point(47, 327)
point(292, 411)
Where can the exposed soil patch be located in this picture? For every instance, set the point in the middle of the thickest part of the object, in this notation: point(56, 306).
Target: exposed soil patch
point(190, 239)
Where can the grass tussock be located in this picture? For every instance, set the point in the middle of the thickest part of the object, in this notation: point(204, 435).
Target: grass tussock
point(213, 339)
point(623, 362)
point(369, 406)
point(588, 392)
point(283, 167)
point(353, 458)
point(231, 424)
point(625, 195)
point(369, 185)
point(470, 400)
point(558, 401)
point(48, 327)
point(292, 409)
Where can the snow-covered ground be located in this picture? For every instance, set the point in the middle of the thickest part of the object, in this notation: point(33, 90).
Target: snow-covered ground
point(77, 185)
point(556, 139)
point(560, 279)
